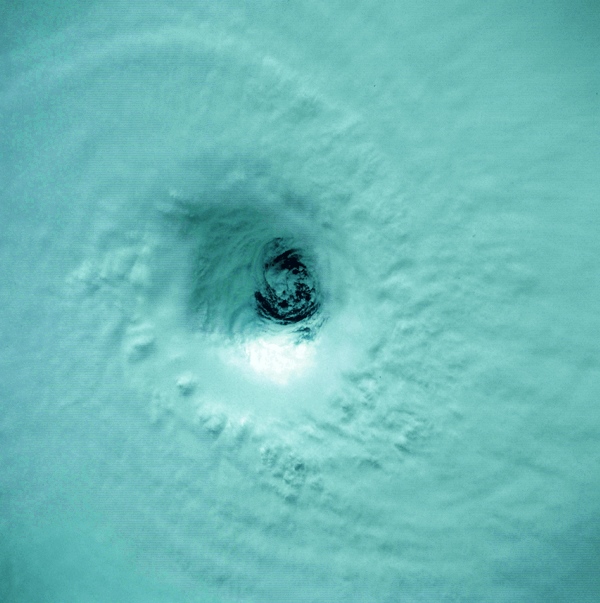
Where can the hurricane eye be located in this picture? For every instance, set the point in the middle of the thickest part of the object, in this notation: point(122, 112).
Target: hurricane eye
point(287, 288)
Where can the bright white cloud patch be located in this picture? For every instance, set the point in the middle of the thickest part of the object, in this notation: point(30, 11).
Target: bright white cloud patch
point(279, 359)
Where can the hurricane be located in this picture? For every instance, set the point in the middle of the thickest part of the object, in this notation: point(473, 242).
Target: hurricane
point(299, 302)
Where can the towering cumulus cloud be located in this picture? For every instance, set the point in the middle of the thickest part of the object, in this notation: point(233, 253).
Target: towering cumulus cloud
point(299, 303)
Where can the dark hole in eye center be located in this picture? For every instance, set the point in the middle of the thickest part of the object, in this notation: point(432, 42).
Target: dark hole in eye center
point(288, 291)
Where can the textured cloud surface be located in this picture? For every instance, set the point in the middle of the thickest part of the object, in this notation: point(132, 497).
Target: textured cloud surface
point(299, 303)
